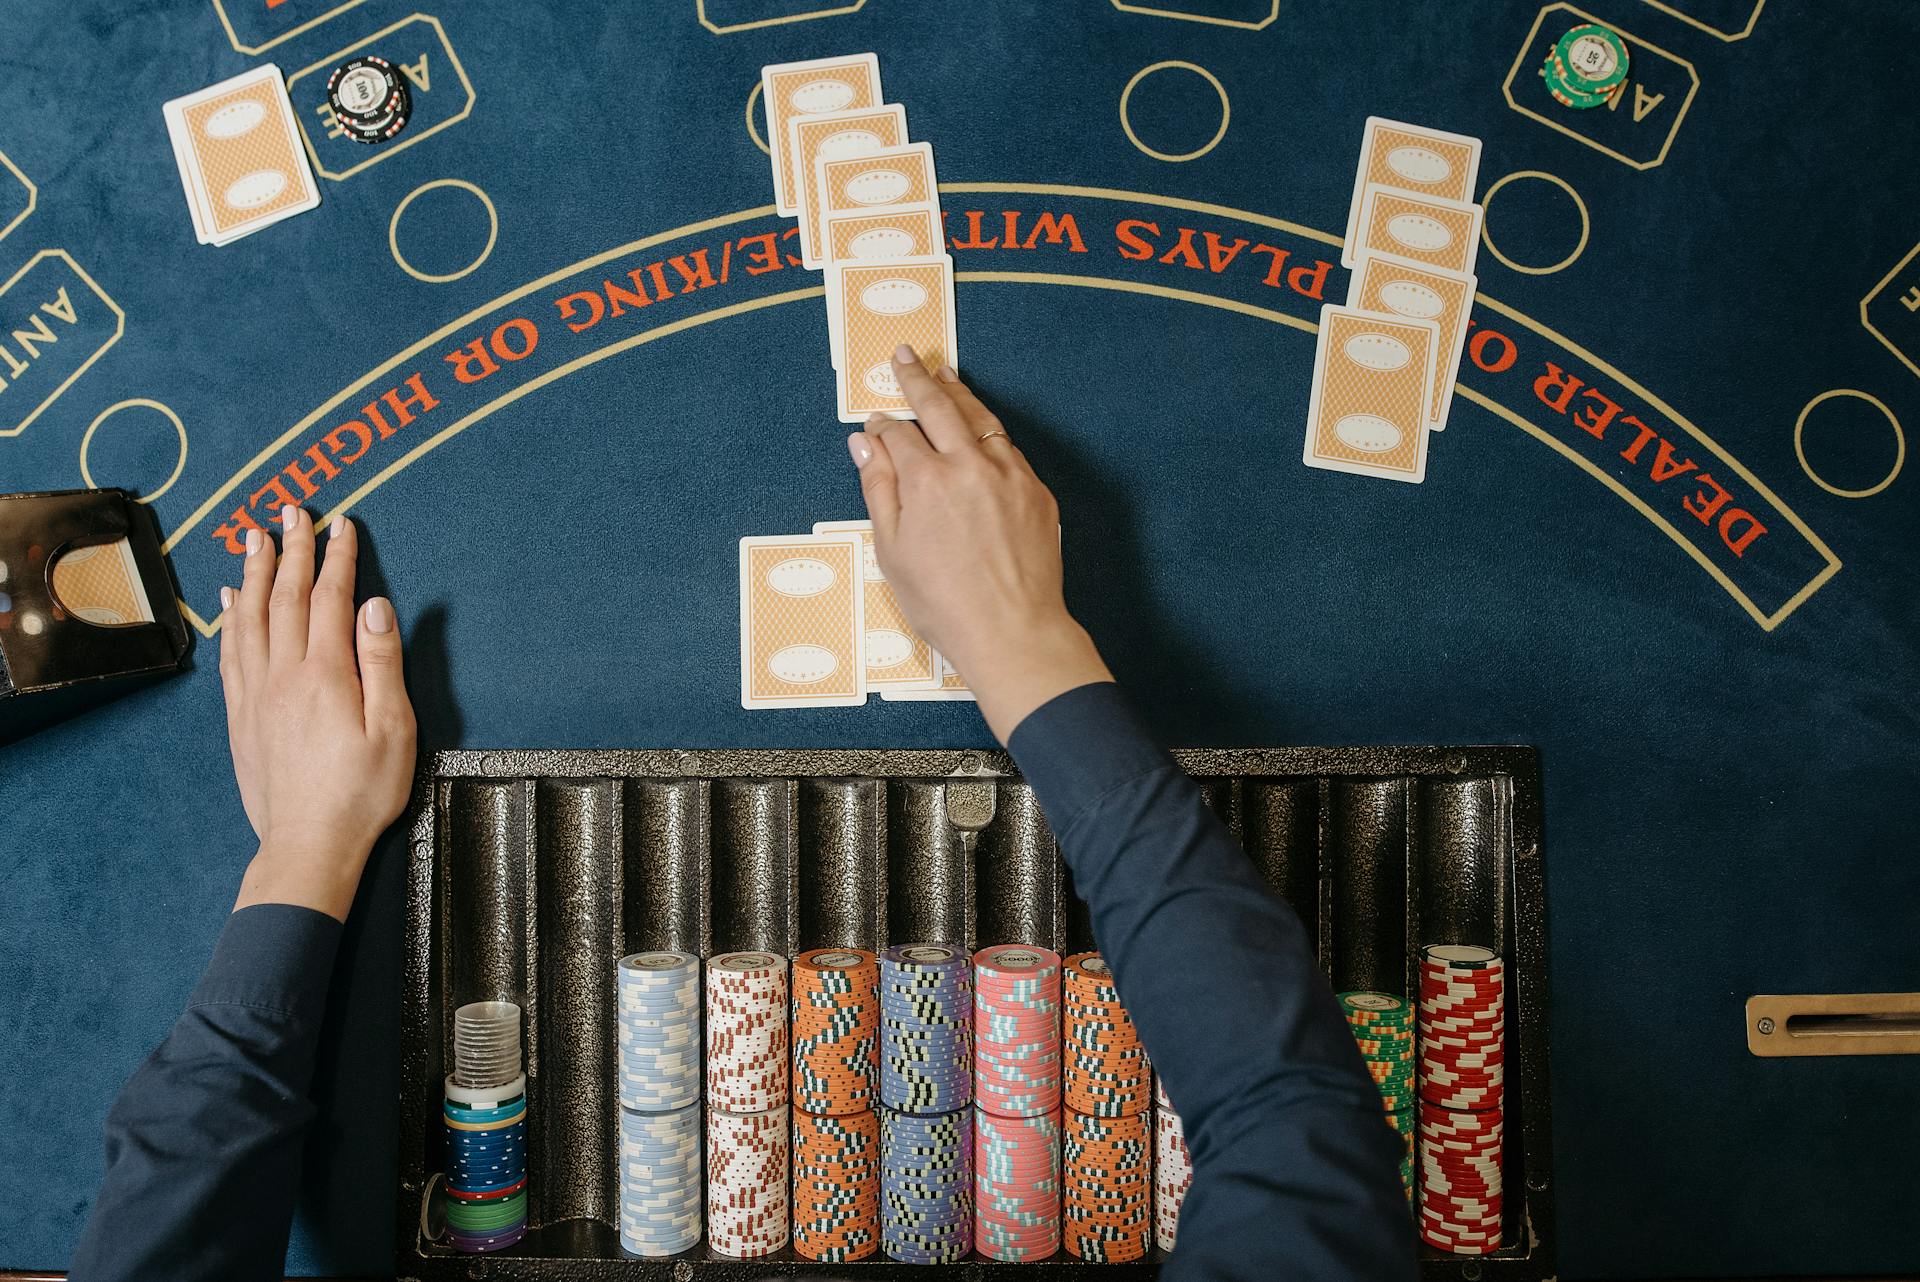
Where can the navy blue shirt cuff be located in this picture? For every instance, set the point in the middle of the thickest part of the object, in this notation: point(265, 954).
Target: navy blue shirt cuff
point(1078, 746)
point(276, 957)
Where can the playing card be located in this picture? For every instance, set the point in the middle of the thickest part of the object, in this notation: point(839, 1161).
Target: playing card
point(836, 133)
point(1372, 384)
point(902, 175)
point(242, 164)
point(1394, 286)
point(790, 89)
point(801, 621)
point(878, 306)
point(952, 687)
point(101, 584)
point(894, 655)
point(1438, 233)
point(898, 231)
point(1414, 159)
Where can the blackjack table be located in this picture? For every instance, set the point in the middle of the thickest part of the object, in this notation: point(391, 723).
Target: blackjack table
point(1665, 540)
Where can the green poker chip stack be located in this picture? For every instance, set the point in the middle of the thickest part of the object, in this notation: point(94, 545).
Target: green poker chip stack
point(1383, 1027)
point(1587, 67)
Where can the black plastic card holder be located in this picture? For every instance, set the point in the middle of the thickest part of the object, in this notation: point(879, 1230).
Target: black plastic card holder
point(54, 665)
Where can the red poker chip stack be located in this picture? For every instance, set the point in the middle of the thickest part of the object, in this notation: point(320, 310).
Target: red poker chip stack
point(1172, 1168)
point(748, 1210)
point(747, 1032)
point(1016, 1171)
point(1462, 1082)
point(1016, 1030)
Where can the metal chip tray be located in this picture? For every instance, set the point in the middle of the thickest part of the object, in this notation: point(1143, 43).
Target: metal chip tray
point(532, 872)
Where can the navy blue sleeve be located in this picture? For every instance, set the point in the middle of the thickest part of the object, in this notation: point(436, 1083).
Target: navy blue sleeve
point(203, 1145)
point(1295, 1167)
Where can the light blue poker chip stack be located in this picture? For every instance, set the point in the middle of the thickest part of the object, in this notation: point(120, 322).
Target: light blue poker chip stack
point(926, 1029)
point(660, 1116)
point(660, 1181)
point(926, 1186)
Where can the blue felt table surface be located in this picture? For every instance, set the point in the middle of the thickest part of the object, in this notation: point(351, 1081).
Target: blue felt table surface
point(1729, 806)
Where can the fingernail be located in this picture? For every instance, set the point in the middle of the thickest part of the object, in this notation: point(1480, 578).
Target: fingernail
point(860, 448)
point(253, 541)
point(948, 374)
point(339, 525)
point(226, 598)
point(379, 616)
point(904, 354)
point(876, 419)
point(289, 515)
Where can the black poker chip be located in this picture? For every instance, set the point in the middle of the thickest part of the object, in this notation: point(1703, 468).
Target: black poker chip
point(369, 99)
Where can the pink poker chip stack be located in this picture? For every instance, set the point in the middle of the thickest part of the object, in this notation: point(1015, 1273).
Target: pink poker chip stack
point(1462, 1084)
point(1016, 1172)
point(1016, 1030)
point(749, 1213)
point(747, 1015)
point(1172, 1168)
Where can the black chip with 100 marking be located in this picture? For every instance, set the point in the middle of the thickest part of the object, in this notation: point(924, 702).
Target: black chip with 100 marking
point(369, 99)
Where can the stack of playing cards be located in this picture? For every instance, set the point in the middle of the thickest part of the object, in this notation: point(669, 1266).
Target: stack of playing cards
point(869, 211)
point(820, 628)
point(240, 156)
point(1384, 371)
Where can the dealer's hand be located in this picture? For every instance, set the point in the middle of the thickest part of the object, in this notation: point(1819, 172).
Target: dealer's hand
point(970, 540)
point(317, 714)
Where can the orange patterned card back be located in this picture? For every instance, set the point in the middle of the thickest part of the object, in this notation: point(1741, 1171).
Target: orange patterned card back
point(904, 231)
point(880, 306)
point(835, 134)
point(895, 655)
point(101, 584)
point(1440, 234)
point(801, 620)
point(1388, 285)
point(1371, 381)
point(244, 147)
point(809, 89)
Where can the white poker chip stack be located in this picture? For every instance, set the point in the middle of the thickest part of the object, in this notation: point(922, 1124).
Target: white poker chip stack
point(1172, 1168)
point(659, 1031)
point(660, 1181)
point(749, 1211)
point(747, 1016)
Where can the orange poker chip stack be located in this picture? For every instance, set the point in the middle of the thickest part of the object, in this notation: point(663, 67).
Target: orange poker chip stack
point(836, 1026)
point(836, 1186)
point(1107, 1074)
point(1106, 1187)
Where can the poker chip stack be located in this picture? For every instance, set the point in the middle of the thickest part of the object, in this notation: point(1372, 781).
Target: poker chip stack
point(1016, 1030)
point(1587, 67)
point(926, 1027)
point(1106, 1198)
point(748, 1136)
point(926, 1186)
point(1107, 1148)
point(1172, 1168)
point(1462, 1079)
point(369, 99)
point(486, 1118)
point(748, 1211)
point(1383, 1025)
point(836, 1186)
point(1016, 1174)
point(836, 1133)
point(1106, 1067)
point(1016, 1128)
point(660, 1184)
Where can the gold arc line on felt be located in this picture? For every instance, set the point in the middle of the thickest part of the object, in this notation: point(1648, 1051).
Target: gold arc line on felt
point(1586, 223)
point(1673, 130)
point(384, 150)
point(119, 329)
point(1886, 280)
point(700, 12)
point(233, 37)
point(1240, 23)
point(33, 196)
point(1767, 622)
point(753, 130)
point(1177, 158)
point(457, 184)
point(179, 428)
point(1726, 36)
point(1899, 443)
